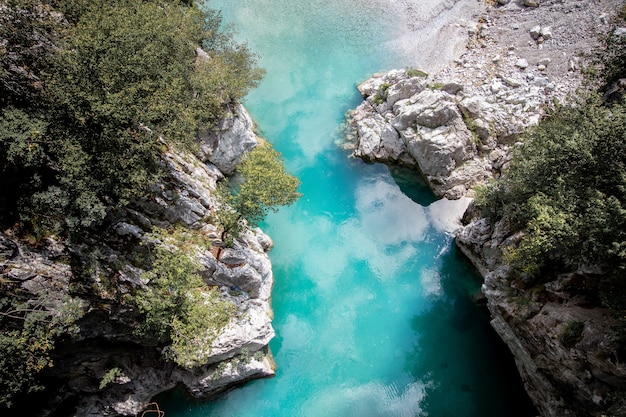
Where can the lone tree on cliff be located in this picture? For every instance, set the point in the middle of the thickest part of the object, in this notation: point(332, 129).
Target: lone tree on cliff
point(262, 185)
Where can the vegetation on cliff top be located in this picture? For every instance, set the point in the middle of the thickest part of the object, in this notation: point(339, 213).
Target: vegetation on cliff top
point(565, 190)
point(85, 100)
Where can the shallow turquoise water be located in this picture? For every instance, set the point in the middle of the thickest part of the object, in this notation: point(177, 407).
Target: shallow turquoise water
point(372, 303)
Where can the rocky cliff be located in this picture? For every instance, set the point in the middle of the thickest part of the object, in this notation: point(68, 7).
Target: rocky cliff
point(566, 348)
point(105, 367)
point(458, 128)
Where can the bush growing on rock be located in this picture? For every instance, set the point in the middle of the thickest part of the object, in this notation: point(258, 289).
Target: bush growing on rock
point(27, 336)
point(566, 191)
point(263, 185)
point(176, 304)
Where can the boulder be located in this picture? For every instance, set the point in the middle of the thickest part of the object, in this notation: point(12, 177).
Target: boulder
point(377, 140)
point(403, 89)
point(535, 32)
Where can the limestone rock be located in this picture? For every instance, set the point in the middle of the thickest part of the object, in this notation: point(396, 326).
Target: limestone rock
point(619, 32)
point(535, 32)
point(403, 89)
point(234, 137)
point(546, 32)
point(521, 63)
point(377, 139)
point(431, 109)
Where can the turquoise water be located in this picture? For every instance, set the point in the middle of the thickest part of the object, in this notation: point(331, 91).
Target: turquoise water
point(373, 309)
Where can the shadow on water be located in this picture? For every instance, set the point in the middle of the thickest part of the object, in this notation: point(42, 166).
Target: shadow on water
point(412, 184)
point(474, 372)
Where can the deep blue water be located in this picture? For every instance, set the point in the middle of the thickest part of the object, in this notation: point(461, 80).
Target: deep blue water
point(373, 308)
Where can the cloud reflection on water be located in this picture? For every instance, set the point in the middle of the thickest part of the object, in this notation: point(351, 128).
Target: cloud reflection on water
point(384, 232)
point(374, 399)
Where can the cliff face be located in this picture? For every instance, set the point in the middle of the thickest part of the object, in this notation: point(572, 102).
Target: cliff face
point(96, 277)
point(458, 128)
point(566, 349)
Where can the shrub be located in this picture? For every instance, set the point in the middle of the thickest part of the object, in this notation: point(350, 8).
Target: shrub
point(266, 186)
point(177, 306)
point(414, 72)
point(572, 332)
point(28, 331)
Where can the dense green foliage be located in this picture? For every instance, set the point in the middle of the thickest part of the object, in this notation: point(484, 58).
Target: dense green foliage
point(122, 74)
point(264, 185)
point(177, 305)
point(566, 189)
point(27, 339)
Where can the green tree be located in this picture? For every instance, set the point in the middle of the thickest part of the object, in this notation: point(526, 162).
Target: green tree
point(263, 185)
point(28, 330)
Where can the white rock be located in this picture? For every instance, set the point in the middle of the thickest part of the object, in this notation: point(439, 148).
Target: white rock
point(535, 31)
point(546, 33)
point(619, 32)
point(544, 62)
point(377, 140)
point(521, 63)
point(226, 148)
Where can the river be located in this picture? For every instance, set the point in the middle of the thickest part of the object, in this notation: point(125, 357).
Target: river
point(373, 305)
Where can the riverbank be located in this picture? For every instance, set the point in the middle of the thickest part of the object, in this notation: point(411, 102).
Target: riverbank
point(515, 67)
point(435, 31)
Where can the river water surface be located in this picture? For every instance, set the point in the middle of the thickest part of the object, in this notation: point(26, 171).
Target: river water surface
point(373, 309)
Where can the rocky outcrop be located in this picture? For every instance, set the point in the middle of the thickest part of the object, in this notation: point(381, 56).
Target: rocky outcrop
point(97, 276)
point(458, 126)
point(404, 120)
point(225, 145)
